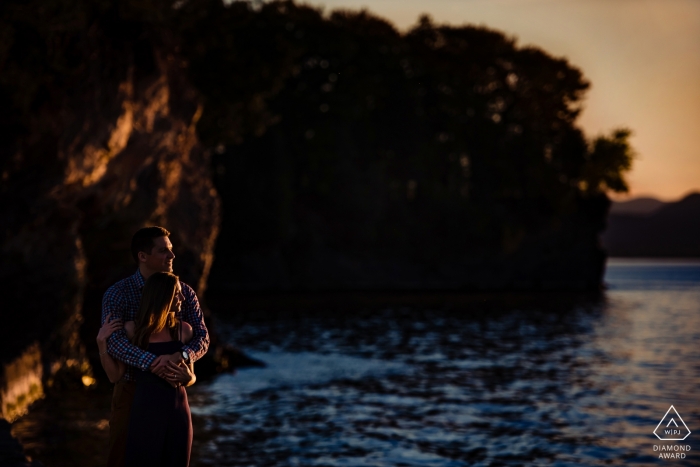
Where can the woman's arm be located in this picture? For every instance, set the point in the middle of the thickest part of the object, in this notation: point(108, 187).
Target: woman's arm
point(114, 368)
point(187, 332)
point(129, 328)
point(193, 377)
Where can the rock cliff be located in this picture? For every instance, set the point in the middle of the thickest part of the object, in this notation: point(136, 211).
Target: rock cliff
point(122, 155)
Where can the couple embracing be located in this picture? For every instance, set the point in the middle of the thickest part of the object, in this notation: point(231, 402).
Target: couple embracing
point(152, 332)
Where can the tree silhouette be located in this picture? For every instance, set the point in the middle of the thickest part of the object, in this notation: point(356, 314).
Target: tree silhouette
point(608, 159)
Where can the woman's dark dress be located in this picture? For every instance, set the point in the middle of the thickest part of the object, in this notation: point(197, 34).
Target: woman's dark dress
point(160, 427)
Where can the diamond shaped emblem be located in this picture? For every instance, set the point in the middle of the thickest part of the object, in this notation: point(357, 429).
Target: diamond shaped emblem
point(672, 427)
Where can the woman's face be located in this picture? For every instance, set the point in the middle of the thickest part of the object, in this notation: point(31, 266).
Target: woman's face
point(178, 298)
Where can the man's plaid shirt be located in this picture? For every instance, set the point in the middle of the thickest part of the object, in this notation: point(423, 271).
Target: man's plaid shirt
point(123, 299)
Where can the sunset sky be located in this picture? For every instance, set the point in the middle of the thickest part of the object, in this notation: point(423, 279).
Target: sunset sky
point(641, 56)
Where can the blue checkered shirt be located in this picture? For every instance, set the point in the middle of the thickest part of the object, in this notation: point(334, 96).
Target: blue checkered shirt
point(123, 299)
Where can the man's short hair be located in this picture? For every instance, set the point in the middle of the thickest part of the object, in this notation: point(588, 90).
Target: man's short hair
point(143, 240)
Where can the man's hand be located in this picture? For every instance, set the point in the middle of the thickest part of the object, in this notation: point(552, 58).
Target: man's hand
point(179, 374)
point(159, 367)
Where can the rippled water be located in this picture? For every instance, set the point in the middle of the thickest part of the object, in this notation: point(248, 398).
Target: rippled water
point(558, 381)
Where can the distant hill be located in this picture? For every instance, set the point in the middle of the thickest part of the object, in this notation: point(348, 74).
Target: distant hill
point(646, 227)
point(637, 206)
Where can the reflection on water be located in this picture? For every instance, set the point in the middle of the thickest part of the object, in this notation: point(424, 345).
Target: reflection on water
point(561, 382)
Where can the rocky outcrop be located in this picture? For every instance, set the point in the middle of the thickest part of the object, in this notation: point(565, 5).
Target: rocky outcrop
point(119, 157)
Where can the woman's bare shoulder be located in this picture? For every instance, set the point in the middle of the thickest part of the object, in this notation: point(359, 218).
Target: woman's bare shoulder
point(129, 327)
point(187, 332)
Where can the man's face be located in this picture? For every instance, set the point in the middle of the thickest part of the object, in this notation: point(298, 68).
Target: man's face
point(161, 257)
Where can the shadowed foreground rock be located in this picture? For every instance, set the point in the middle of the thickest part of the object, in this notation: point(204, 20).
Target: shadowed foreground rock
point(11, 453)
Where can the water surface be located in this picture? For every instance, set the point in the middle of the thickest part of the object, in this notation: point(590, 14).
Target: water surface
point(548, 380)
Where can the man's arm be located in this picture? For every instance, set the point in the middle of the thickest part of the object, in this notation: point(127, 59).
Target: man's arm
point(118, 344)
point(192, 313)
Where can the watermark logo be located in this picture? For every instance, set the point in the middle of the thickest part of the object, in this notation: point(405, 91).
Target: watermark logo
point(672, 427)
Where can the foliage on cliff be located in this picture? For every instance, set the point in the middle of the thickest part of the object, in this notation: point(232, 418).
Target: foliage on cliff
point(374, 153)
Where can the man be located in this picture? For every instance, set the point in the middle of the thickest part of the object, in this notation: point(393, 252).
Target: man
point(153, 252)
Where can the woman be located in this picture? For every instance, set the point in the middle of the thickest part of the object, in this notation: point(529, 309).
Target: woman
point(160, 425)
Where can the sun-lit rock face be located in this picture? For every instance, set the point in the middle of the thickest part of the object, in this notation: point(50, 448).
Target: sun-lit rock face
point(121, 156)
point(21, 383)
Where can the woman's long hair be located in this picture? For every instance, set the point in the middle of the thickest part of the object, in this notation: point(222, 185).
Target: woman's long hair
point(154, 313)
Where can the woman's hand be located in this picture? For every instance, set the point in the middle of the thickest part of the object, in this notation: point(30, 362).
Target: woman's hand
point(108, 328)
point(114, 368)
point(179, 374)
